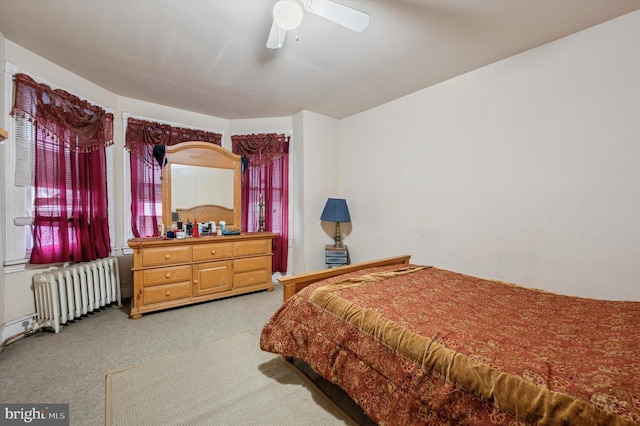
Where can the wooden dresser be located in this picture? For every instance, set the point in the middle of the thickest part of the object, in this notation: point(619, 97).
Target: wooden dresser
point(176, 272)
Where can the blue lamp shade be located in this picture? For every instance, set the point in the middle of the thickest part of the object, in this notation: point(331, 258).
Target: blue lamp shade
point(336, 210)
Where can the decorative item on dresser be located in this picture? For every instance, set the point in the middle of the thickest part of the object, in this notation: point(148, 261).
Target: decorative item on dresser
point(336, 256)
point(176, 272)
point(261, 214)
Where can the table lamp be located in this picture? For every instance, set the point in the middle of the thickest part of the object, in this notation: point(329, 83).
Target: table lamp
point(336, 210)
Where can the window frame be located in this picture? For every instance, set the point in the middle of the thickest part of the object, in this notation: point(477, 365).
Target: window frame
point(19, 201)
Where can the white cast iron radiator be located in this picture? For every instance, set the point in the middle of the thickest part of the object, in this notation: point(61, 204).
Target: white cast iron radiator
point(63, 294)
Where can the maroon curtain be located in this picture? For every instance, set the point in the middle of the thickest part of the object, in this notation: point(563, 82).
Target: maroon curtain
point(71, 220)
point(267, 174)
point(146, 187)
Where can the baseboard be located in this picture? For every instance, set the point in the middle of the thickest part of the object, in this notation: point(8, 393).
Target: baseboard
point(16, 326)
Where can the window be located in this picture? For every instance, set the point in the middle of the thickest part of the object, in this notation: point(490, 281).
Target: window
point(56, 176)
point(141, 138)
point(267, 158)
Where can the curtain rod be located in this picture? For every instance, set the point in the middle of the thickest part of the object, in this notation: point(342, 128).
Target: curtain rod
point(126, 115)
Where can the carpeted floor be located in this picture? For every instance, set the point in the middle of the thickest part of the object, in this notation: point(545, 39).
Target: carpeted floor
point(230, 380)
point(70, 367)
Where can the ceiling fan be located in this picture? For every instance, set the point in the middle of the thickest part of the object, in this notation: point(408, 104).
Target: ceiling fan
point(287, 15)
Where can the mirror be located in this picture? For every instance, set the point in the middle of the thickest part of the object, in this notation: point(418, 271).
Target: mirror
point(213, 186)
point(201, 180)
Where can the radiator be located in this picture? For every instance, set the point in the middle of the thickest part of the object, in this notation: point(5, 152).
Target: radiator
point(63, 294)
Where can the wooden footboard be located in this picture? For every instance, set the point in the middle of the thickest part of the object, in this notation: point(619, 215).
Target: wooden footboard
point(294, 283)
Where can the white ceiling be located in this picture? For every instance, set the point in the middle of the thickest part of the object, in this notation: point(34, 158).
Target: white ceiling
point(210, 56)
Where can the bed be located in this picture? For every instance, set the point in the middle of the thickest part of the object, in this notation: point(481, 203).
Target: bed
point(415, 344)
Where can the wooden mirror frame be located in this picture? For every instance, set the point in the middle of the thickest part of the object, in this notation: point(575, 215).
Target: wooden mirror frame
point(202, 154)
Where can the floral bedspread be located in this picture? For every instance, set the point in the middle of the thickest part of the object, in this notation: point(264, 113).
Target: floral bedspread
point(422, 345)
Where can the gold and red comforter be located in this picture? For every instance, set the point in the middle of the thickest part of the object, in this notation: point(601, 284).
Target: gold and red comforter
point(422, 345)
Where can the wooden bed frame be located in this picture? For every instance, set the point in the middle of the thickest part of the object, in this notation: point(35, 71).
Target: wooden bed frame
point(294, 283)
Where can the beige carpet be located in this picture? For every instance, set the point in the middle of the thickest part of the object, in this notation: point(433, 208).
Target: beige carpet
point(222, 382)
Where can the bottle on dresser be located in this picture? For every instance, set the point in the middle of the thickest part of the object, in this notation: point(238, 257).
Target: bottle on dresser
point(196, 229)
point(188, 227)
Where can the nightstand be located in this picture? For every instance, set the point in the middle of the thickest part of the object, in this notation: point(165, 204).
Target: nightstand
point(335, 256)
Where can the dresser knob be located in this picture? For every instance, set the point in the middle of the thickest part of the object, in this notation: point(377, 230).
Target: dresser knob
point(167, 256)
point(195, 281)
point(167, 275)
point(213, 252)
point(168, 293)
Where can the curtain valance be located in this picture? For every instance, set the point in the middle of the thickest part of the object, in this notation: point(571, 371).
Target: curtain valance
point(143, 135)
point(74, 122)
point(260, 149)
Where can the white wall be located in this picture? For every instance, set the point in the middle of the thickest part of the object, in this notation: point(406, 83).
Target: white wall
point(316, 179)
point(526, 170)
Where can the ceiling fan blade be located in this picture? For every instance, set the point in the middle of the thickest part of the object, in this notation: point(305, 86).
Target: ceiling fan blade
point(276, 36)
point(346, 16)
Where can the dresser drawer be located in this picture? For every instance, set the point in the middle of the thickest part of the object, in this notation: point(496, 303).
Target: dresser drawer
point(335, 254)
point(168, 275)
point(252, 264)
point(337, 259)
point(246, 279)
point(166, 256)
point(252, 248)
point(251, 271)
point(203, 252)
point(166, 293)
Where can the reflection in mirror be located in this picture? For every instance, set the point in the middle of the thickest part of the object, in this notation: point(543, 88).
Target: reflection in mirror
point(201, 180)
point(194, 185)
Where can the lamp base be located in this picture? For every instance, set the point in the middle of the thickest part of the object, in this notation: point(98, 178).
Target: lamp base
point(337, 240)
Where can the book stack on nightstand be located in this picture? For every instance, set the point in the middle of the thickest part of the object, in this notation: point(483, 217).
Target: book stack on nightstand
point(336, 256)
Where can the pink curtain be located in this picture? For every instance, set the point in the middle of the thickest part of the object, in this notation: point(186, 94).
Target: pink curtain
point(267, 174)
point(71, 221)
point(146, 187)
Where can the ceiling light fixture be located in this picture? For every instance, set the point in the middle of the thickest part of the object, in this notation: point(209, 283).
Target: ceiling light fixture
point(287, 14)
